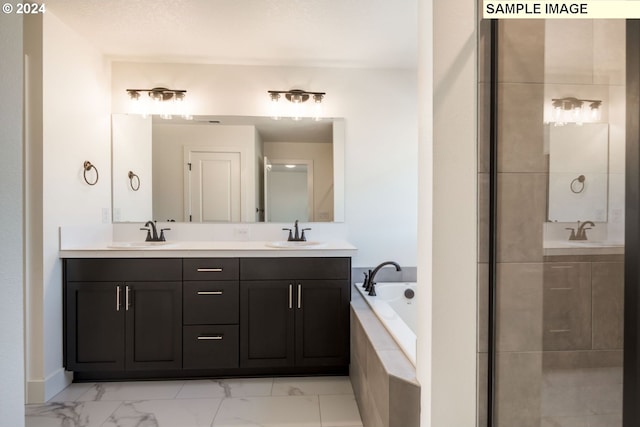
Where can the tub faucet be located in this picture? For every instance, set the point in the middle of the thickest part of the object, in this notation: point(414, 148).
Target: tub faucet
point(370, 285)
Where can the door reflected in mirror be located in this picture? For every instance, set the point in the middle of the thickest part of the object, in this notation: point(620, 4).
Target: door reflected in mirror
point(211, 169)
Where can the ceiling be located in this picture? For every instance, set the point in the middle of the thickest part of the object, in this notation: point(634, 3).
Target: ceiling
point(318, 33)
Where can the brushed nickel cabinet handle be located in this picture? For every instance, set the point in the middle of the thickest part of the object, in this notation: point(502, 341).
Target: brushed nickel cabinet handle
point(299, 295)
point(290, 295)
point(209, 292)
point(209, 270)
point(118, 298)
point(215, 337)
point(126, 298)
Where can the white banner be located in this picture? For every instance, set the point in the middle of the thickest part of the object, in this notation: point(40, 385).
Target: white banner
point(588, 9)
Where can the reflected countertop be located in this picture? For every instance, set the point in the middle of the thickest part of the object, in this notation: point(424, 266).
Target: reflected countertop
point(582, 247)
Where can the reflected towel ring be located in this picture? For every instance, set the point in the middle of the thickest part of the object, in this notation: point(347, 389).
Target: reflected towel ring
point(87, 167)
point(132, 177)
point(577, 185)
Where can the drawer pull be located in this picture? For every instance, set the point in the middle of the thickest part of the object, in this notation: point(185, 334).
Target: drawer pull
point(215, 337)
point(209, 270)
point(209, 292)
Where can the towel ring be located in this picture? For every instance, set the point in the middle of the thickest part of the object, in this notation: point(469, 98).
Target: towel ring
point(87, 167)
point(134, 186)
point(577, 185)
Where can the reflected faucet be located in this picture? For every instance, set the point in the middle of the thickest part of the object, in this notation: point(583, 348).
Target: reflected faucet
point(152, 233)
point(369, 284)
point(581, 233)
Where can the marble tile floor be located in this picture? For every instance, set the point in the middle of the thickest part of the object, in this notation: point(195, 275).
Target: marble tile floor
point(250, 402)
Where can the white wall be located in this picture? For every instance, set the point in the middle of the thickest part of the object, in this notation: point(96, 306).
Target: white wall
point(11, 226)
point(380, 111)
point(446, 361)
point(75, 127)
point(131, 152)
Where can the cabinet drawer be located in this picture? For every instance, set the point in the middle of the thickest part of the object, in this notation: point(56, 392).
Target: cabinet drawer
point(210, 302)
point(210, 347)
point(122, 269)
point(210, 269)
point(295, 268)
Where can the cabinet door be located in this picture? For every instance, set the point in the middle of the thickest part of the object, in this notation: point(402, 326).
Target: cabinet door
point(322, 322)
point(94, 322)
point(153, 325)
point(266, 323)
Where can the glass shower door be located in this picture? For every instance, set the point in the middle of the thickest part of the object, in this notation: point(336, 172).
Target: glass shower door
point(555, 191)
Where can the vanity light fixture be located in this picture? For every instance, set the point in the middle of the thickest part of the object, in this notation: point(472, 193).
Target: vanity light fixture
point(158, 94)
point(158, 105)
point(574, 110)
point(297, 97)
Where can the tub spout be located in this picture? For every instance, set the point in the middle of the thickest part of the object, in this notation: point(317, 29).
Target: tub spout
point(370, 285)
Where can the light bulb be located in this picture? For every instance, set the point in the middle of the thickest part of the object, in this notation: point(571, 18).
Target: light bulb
point(596, 114)
point(275, 106)
point(317, 107)
point(296, 110)
point(557, 114)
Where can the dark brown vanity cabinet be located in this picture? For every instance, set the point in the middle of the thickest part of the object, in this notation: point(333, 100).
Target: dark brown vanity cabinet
point(177, 317)
point(294, 312)
point(210, 298)
point(123, 314)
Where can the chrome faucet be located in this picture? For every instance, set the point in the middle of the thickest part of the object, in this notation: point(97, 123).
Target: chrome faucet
point(297, 237)
point(369, 284)
point(581, 233)
point(152, 233)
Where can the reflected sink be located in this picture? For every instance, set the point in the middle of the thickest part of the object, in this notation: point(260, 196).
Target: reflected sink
point(296, 245)
point(140, 245)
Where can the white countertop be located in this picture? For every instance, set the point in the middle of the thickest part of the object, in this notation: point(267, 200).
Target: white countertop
point(205, 249)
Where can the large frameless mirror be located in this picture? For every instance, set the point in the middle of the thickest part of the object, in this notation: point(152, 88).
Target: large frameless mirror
point(212, 168)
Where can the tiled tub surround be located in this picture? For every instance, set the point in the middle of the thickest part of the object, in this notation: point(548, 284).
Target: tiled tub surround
point(384, 380)
point(273, 402)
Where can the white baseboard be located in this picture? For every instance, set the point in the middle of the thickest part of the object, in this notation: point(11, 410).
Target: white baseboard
point(40, 391)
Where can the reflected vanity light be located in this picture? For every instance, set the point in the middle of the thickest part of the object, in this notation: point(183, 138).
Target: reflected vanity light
point(574, 110)
point(161, 100)
point(297, 97)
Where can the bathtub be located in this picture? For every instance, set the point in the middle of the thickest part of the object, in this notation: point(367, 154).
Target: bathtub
point(397, 312)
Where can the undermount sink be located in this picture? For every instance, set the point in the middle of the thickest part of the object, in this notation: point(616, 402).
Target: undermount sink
point(140, 245)
point(284, 244)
